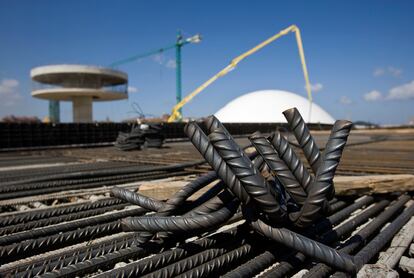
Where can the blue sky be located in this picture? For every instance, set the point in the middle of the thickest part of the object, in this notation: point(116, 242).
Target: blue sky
point(359, 53)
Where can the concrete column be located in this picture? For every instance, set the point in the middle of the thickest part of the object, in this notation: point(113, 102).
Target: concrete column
point(82, 109)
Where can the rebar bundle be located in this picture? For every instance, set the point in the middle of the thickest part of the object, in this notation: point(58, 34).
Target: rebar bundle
point(278, 198)
point(149, 135)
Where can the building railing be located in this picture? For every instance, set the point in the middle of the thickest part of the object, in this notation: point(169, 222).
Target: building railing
point(121, 88)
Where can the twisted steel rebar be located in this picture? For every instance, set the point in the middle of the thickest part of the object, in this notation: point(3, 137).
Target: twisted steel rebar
point(57, 219)
point(43, 264)
point(375, 245)
point(278, 168)
point(379, 241)
point(224, 261)
point(351, 244)
point(35, 246)
point(206, 196)
point(106, 172)
point(178, 199)
point(197, 260)
point(337, 206)
point(73, 182)
point(29, 216)
point(332, 155)
point(303, 136)
point(213, 205)
point(253, 182)
point(206, 149)
point(290, 158)
point(98, 183)
point(63, 227)
point(101, 262)
point(305, 245)
point(172, 204)
point(322, 186)
point(181, 223)
point(137, 199)
point(255, 265)
point(347, 227)
point(165, 258)
point(332, 220)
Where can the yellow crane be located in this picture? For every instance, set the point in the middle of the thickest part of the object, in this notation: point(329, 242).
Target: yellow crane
point(175, 114)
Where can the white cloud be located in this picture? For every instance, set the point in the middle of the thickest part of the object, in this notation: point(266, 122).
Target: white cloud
point(395, 71)
point(373, 96)
point(378, 72)
point(405, 91)
point(171, 64)
point(132, 89)
point(11, 83)
point(401, 92)
point(315, 87)
point(390, 70)
point(158, 58)
point(9, 93)
point(345, 100)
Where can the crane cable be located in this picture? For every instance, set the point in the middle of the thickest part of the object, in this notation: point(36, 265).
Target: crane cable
point(293, 28)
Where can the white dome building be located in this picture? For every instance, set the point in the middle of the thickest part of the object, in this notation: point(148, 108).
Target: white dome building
point(266, 106)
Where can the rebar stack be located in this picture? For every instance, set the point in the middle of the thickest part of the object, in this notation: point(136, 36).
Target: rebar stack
point(265, 214)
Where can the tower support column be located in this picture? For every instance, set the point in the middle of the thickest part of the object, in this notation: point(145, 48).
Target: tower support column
point(82, 109)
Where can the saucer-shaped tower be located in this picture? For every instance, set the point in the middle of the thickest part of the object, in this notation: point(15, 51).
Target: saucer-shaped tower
point(80, 84)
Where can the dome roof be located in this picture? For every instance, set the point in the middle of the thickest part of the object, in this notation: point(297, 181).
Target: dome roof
point(267, 106)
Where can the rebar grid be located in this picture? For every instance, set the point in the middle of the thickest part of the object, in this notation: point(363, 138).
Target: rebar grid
point(283, 208)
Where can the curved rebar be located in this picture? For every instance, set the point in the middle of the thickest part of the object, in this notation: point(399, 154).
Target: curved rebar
point(206, 196)
point(185, 192)
point(242, 167)
point(181, 223)
point(209, 203)
point(137, 199)
point(322, 187)
point(299, 128)
point(206, 149)
point(278, 167)
point(332, 155)
point(305, 245)
point(172, 204)
point(212, 205)
point(287, 154)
